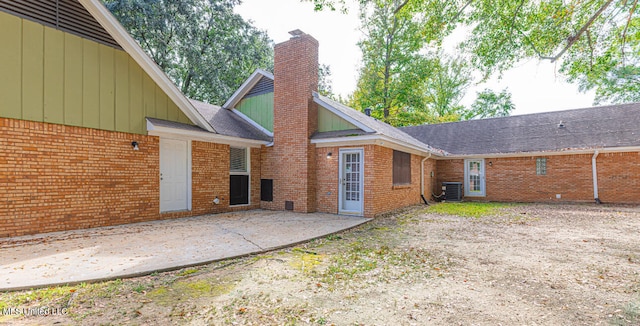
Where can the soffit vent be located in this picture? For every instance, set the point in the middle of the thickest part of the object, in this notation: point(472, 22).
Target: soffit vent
point(265, 85)
point(66, 15)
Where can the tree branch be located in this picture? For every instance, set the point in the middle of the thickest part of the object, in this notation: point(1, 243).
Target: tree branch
point(515, 15)
point(626, 27)
point(585, 27)
point(461, 10)
point(590, 49)
point(533, 46)
point(400, 6)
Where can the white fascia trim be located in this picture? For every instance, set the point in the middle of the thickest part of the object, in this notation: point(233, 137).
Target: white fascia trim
point(253, 123)
point(376, 139)
point(154, 130)
point(115, 29)
point(245, 87)
point(549, 153)
point(341, 114)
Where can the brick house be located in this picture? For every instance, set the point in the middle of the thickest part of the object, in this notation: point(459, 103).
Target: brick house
point(93, 133)
point(581, 155)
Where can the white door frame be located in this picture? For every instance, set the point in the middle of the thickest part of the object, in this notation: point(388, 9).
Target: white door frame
point(467, 184)
point(341, 192)
point(188, 174)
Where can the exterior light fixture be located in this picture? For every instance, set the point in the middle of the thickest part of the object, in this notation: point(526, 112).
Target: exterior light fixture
point(134, 144)
point(490, 163)
point(329, 155)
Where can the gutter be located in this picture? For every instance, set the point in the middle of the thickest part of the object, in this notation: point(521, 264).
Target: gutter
point(594, 170)
point(153, 130)
point(621, 149)
point(422, 178)
point(373, 139)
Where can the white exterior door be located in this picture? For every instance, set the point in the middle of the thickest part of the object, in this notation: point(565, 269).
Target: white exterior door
point(351, 191)
point(174, 175)
point(474, 185)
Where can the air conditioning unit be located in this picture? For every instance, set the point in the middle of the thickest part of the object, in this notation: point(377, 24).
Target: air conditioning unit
point(452, 191)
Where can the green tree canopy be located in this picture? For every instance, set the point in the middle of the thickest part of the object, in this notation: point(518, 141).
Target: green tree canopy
point(596, 42)
point(202, 45)
point(489, 104)
point(403, 79)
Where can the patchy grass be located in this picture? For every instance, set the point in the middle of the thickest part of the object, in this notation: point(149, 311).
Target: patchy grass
point(263, 309)
point(189, 289)
point(304, 260)
point(188, 271)
point(468, 209)
point(360, 257)
point(53, 296)
point(630, 314)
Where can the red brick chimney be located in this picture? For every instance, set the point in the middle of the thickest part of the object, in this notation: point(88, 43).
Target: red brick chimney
point(295, 120)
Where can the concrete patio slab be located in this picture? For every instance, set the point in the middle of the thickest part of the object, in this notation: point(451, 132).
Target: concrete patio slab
point(136, 249)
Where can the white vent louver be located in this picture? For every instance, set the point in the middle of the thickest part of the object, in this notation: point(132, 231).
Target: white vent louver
point(238, 160)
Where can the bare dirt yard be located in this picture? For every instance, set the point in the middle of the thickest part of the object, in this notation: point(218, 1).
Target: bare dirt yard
point(489, 264)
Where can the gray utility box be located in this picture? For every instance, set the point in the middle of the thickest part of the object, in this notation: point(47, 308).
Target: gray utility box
point(452, 191)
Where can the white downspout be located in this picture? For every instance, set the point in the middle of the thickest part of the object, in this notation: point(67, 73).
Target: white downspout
point(594, 170)
point(422, 175)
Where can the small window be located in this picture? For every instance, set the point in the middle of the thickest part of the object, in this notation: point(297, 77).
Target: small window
point(401, 168)
point(238, 160)
point(541, 166)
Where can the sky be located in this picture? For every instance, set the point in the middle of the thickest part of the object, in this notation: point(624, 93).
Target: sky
point(535, 85)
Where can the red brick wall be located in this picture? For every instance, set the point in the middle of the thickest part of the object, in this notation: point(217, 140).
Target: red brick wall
point(291, 161)
point(380, 194)
point(327, 179)
point(619, 177)
point(448, 171)
point(515, 179)
point(55, 178)
point(210, 179)
point(430, 181)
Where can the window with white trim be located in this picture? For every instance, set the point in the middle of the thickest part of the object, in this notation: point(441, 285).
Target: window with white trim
point(239, 176)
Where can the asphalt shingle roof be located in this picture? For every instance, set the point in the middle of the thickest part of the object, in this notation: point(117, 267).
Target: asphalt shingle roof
point(590, 128)
point(228, 123)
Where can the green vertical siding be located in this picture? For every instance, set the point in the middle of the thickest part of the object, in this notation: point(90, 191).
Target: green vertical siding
point(149, 92)
point(328, 121)
point(107, 88)
point(72, 80)
point(90, 84)
point(259, 108)
point(10, 65)
point(32, 71)
point(136, 110)
point(161, 105)
point(56, 77)
point(122, 91)
point(53, 76)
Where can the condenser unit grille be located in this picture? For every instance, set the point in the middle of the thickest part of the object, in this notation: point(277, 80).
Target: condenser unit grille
point(452, 191)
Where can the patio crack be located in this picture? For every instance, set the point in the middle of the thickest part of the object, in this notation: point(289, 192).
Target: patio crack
point(243, 237)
